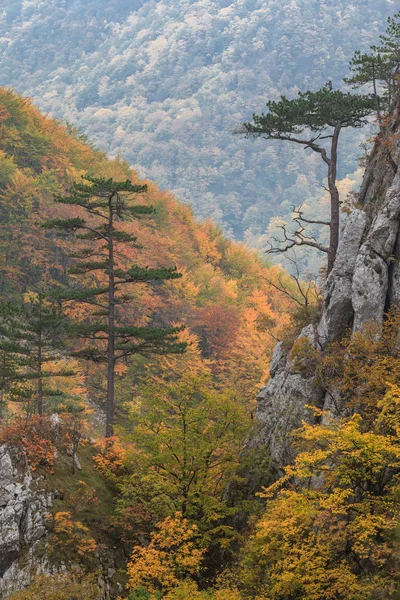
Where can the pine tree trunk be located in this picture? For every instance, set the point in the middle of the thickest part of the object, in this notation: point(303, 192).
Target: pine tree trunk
point(40, 395)
point(335, 201)
point(39, 357)
point(110, 408)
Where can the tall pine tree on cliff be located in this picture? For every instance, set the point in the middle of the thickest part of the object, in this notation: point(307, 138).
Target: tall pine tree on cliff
point(314, 120)
point(105, 204)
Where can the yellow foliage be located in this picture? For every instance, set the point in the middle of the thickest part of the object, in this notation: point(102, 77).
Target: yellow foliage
point(171, 556)
point(70, 535)
point(63, 586)
point(327, 530)
point(189, 591)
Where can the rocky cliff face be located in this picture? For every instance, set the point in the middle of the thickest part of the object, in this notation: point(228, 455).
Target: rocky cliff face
point(23, 507)
point(363, 284)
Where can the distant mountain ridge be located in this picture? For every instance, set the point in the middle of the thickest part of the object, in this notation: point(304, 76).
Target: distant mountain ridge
point(165, 84)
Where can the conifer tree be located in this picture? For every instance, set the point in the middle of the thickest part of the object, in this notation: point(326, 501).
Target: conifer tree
point(380, 68)
point(32, 336)
point(371, 69)
point(43, 332)
point(105, 204)
point(314, 120)
point(15, 374)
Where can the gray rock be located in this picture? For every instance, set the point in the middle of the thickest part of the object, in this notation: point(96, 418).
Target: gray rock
point(371, 274)
point(282, 404)
point(363, 284)
point(338, 309)
point(278, 361)
point(23, 507)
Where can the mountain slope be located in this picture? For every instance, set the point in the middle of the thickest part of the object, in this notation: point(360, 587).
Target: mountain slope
point(165, 84)
point(224, 296)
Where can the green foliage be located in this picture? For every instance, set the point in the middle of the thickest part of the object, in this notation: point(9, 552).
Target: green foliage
point(315, 111)
point(189, 439)
point(16, 366)
point(111, 201)
point(318, 118)
point(60, 587)
point(380, 69)
point(33, 337)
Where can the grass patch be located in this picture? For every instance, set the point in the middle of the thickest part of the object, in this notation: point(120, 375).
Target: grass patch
point(85, 494)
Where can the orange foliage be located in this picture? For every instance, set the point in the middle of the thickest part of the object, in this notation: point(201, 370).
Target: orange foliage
point(35, 438)
point(110, 460)
point(224, 297)
point(70, 535)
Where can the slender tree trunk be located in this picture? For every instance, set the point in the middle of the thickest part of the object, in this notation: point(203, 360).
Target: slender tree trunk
point(39, 358)
point(376, 97)
point(40, 385)
point(110, 408)
point(2, 387)
point(335, 203)
point(74, 448)
point(185, 461)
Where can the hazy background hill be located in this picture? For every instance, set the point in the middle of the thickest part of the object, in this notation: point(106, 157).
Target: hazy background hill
point(165, 83)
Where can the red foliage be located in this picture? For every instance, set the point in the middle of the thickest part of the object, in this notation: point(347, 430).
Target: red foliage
point(35, 437)
point(217, 327)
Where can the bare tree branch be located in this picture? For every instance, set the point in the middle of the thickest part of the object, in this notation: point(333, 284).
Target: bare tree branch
point(292, 240)
point(299, 212)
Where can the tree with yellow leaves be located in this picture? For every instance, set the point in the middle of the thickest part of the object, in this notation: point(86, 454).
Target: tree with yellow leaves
point(70, 537)
point(63, 586)
point(328, 532)
point(188, 438)
point(173, 555)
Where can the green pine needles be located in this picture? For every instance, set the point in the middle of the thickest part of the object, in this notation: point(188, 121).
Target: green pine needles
point(106, 204)
point(313, 120)
point(31, 336)
point(379, 70)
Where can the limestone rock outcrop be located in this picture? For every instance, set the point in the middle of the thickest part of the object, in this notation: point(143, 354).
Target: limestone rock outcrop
point(281, 404)
point(363, 284)
point(23, 508)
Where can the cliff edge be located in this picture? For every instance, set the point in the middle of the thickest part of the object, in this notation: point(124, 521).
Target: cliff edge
point(362, 286)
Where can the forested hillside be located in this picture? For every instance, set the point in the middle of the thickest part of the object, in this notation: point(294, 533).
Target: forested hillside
point(181, 419)
point(223, 295)
point(165, 84)
point(183, 408)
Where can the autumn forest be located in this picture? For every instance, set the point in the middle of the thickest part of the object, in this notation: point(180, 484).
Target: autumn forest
point(139, 459)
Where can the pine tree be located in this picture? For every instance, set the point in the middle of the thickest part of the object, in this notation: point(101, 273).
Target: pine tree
point(106, 203)
point(32, 336)
point(371, 69)
point(380, 68)
point(314, 120)
point(15, 373)
point(44, 330)
point(390, 44)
